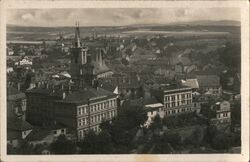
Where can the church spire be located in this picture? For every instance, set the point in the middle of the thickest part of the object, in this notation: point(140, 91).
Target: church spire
point(77, 36)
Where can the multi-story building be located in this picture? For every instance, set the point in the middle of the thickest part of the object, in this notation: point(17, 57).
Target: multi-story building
point(16, 103)
point(176, 99)
point(223, 113)
point(86, 109)
point(209, 85)
point(80, 106)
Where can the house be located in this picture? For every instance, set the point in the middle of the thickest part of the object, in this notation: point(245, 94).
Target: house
point(17, 130)
point(223, 113)
point(84, 110)
point(176, 99)
point(16, 103)
point(192, 83)
point(209, 84)
point(46, 135)
point(152, 107)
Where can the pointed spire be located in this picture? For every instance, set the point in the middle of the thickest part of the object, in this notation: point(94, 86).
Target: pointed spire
point(77, 36)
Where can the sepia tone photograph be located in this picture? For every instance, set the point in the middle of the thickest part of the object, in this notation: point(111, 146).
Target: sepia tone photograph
point(124, 80)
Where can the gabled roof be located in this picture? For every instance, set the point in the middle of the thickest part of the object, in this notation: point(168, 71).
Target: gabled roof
point(208, 80)
point(192, 83)
point(18, 124)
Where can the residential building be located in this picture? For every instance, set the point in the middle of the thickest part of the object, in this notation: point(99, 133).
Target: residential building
point(86, 109)
point(210, 84)
point(17, 130)
point(223, 113)
point(47, 134)
point(176, 99)
point(16, 103)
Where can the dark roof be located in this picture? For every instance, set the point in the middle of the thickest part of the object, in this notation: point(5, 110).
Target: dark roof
point(82, 96)
point(13, 135)
point(18, 124)
point(38, 134)
point(16, 96)
point(173, 87)
point(108, 86)
point(208, 80)
point(39, 90)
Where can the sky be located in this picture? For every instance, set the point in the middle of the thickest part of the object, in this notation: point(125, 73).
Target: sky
point(117, 16)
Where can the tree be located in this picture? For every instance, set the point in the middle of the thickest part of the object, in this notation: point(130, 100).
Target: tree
point(222, 141)
point(173, 138)
point(195, 138)
point(96, 143)
point(128, 51)
point(210, 134)
point(62, 146)
point(124, 61)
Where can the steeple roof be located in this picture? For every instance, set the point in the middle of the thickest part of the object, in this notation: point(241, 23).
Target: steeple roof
point(77, 36)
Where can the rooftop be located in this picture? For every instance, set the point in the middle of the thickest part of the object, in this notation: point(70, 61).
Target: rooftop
point(192, 83)
point(82, 96)
point(208, 80)
point(18, 124)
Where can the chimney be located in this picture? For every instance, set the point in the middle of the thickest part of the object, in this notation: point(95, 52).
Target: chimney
point(47, 85)
point(62, 87)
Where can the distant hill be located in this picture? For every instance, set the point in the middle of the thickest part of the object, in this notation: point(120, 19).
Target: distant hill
point(212, 23)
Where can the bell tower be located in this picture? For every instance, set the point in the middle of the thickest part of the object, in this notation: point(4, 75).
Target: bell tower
point(80, 70)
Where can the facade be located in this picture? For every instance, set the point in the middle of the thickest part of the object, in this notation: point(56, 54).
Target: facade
point(176, 99)
point(40, 105)
point(16, 103)
point(153, 110)
point(47, 135)
point(84, 110)
point(17, 130)
point(210, 85)
point(223, 113)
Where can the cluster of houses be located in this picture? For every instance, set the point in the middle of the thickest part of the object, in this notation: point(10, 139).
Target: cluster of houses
point(74, 103)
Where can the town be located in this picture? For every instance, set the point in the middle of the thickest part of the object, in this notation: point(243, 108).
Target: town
point(120, 92)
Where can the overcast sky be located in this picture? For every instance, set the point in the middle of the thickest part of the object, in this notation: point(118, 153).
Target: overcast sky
point(116, 17)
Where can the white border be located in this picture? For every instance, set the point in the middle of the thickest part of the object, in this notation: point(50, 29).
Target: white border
point(244, 5)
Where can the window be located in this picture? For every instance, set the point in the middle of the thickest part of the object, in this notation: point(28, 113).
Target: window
point(79, 111)
point(83, 121)
point(62, 130)
point(55, 132)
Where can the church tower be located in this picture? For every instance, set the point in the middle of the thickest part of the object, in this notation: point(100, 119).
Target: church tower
point(81, 71)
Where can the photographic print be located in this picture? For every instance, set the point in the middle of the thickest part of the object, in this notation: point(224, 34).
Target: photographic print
point(124, 80)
